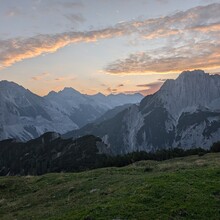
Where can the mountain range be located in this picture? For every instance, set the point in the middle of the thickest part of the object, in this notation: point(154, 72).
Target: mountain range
point(25, 115)
point(184, 113)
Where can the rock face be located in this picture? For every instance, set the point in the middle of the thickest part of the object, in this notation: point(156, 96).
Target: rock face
point(184, 113)
point(24, 115)
point(50, 153)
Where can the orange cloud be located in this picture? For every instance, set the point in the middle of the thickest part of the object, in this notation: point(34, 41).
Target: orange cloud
point(161, 33)
point(215, 27)
point(199, 19)
point(15, 50)
point(65, 78)
point(150, 87)
point(202, 55)
point(40, 76)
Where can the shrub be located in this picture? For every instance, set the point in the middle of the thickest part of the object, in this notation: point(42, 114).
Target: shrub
point(215, 147)
point(148, 169)
point(200, 154)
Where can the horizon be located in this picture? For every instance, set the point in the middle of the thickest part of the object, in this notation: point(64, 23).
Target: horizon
point(110, 47)
point(121, 93)
point(114, 93)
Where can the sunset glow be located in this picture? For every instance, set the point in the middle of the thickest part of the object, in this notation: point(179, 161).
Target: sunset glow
point(106, 46)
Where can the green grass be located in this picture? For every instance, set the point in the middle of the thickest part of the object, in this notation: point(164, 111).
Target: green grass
point(182, 188)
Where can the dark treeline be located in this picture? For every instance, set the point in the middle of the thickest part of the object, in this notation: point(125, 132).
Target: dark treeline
point(164, 154)
point(48, 155)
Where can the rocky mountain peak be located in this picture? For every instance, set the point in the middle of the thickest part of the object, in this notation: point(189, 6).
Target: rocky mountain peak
point(193, 73)
point(189, 91)
point(7, 87)
point(69, 91)
point(184, 113)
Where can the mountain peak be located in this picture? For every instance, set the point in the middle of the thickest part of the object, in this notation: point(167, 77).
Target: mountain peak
point(69, 90)
point(193, 73)
point(98, 95)
point(13, 91)
point(51, 93)
point(7, 84)
point(185, 79)
point(190, 90)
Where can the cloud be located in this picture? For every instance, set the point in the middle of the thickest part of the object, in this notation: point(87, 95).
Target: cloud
point(103, 84)
point(111, 90)
point(40, 76)
point(144, 92)
point(13, 11)
point(196, 20)
point(150, 87)
point(120, 85)
point(215, 27)
point(194, 43)
point(162, 80)
point(147, 89)
point(69, 5)
point(60, 6)
point(179, 23)
point(15, 50)
point(65, 78)
point(75, 18)
point(202, 55)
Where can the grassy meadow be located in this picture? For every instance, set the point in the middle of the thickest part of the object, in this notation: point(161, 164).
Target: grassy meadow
point(181, 188)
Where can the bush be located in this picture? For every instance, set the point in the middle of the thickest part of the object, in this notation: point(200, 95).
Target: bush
point(200, 154)
point(148, 169)
point(215, 147)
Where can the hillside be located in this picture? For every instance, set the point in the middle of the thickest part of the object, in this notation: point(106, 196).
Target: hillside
point(50, 153)
point(183, 188)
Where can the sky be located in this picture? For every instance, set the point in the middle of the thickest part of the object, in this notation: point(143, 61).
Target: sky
point(107, 46)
